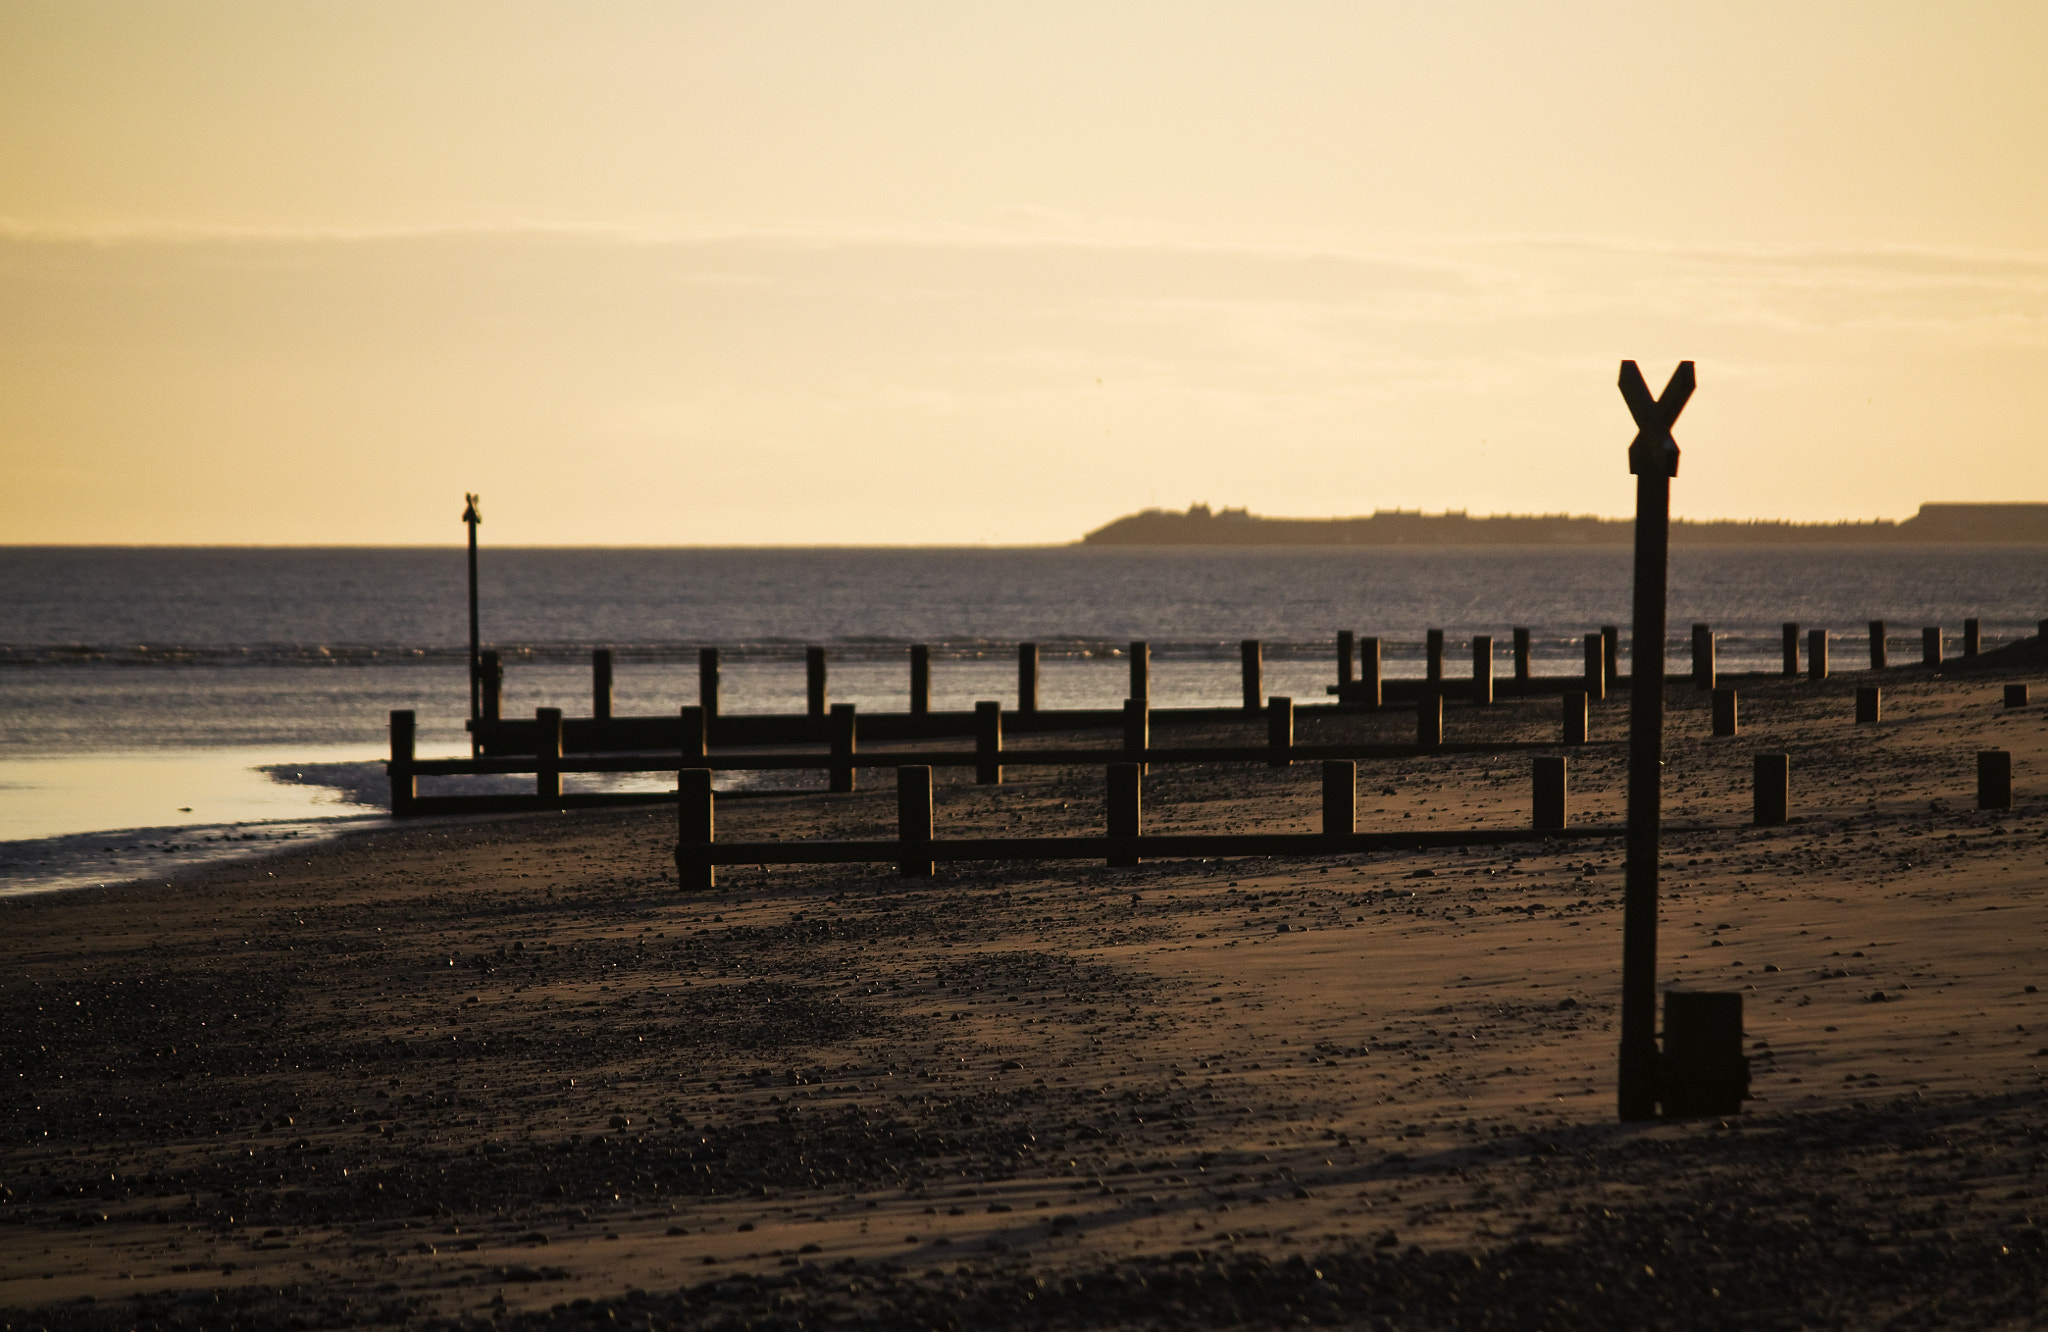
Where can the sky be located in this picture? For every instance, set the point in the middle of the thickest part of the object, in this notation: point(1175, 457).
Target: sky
point(900, 273)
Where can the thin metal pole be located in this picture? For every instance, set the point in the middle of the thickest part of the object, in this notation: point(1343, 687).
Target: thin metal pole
point(471, 517)
point(1654, 459)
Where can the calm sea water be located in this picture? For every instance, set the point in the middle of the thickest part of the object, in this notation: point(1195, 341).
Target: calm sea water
point(170, 688)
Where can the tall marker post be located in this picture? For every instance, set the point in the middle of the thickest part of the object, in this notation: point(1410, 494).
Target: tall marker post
point(476, 668)
point(1653, 458)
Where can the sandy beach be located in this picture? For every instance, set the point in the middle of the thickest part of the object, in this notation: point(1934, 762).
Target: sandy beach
point(500, 1072)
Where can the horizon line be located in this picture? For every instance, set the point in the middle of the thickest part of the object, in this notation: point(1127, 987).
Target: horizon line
point(460, 542)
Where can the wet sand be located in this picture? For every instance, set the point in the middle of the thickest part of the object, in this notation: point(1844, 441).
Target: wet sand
point(500, 1071)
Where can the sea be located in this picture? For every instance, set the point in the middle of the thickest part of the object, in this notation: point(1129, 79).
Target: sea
point(161, 706)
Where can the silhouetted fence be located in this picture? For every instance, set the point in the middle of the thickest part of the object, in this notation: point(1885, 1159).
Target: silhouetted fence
point(1360, 682)
point(916, 849)
point(550, 745)
point(547, 755)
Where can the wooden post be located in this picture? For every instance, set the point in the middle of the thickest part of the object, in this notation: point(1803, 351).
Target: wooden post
point(547, 753)
point(1141, 671)
point(1930, 645)
point(1137, 730)
point(1251, 658)
point(1869, 704)
point(1344, 657)
point(1429, 720)
point(1596, 667)
point(1973, 637)
point(920, 679)
point(1027, 677)
point(1705, 674)
point(1574, 717)
point(1725, 717)
point(1791, 631)
point(1548, 802)
point(1369, 671)
point(1772, 797)
point(814, 682)
point(1434, 651)
point(1653, 459)
point(493, 672)
point(694, 734)
point(1340, 797)
point(1279, 732)
point(914, 820)
point(1521, 653)
point(707, 683)
point(1880, 657)
point(405, 786)
point(1816, 654)
point(1994, 779)
point(601, 682)
point(841, 725)
point(1126, 807)
point(2015, 696)
point(695, 823)
point(1482, 669)
point(1610, 645)
point(988, 742)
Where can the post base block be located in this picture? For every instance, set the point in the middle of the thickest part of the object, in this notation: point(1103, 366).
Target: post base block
point(1704, 1071)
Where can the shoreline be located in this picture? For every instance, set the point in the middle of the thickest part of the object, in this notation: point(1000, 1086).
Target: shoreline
point(69, 862)
point(467, 1071)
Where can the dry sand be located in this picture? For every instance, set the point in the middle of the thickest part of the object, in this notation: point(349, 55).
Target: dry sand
point(500, 1071)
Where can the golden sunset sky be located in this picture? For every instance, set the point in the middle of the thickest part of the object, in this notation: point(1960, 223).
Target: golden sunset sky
point(774, 273)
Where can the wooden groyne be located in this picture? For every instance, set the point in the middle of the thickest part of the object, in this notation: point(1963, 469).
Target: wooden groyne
point(916, 849)
point(840, 741)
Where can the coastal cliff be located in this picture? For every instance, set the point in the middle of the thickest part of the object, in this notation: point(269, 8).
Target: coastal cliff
point(1979, 524)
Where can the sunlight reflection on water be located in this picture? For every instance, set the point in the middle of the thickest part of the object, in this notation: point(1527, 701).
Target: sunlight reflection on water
point(51, 796)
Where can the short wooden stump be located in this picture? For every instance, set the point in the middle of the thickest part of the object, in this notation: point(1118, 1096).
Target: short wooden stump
point(1704, 1069)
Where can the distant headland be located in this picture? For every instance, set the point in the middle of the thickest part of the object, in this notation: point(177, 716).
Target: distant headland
point(1977, 524)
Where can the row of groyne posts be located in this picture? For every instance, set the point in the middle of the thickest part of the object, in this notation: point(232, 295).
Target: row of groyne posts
point(550, 745)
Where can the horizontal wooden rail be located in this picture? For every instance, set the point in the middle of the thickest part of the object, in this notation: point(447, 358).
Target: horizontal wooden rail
point(422, 806)
point(598, 735)
point(585, 735)
point(967, 758)
point(1177, 846)
point(1405, 692)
